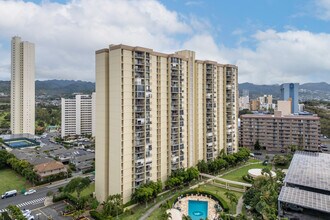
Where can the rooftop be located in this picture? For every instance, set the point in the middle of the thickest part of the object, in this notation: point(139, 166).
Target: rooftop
point(306, 199)
point(293, 117)
point(49, 166)
point(310, 170)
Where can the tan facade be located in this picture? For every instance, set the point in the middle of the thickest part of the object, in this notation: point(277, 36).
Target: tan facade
point(254, 105)
point(284, 107)
point(156, 113)
point(277, 133)
point(22, 96)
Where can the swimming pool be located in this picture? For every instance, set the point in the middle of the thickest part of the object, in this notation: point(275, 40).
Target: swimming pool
point(197, 209)
point(19, 143)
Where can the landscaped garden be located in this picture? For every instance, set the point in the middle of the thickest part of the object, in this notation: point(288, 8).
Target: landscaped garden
point(237, 175)
point(11, 180)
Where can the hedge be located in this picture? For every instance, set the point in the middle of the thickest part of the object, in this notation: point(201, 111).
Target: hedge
point(60, 197)
point(222, 202)
point(96, 215)
point(63, 196)
point(127, 204)
point(247, 179)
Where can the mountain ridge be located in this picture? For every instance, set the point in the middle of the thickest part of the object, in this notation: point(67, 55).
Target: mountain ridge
point(60, 88)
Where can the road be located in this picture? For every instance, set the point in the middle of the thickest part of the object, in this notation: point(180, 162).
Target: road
point(32, 201)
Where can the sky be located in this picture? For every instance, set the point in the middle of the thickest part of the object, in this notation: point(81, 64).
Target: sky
point(271, 41)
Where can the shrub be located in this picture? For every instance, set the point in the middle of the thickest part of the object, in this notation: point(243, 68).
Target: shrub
point(88, 170)
point(60, 197)
point(96, 215)
point(127, 204)
point(247, 179)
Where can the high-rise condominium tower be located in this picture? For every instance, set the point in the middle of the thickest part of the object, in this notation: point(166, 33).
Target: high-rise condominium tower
point(156, 113)
point(22, 87)
point(78, 115)
point(289, 91)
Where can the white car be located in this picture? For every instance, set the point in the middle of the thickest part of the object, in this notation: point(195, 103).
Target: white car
point(26, 213)
point(30, 217)
point(31, 191)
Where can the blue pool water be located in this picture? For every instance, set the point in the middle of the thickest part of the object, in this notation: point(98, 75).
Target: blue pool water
point(19, 144)
point(197, 209)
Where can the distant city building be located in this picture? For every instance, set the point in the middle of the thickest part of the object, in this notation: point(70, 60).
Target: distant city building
point(244, 100)
point(306, 190)
point(301, 107)
point(22, 98)
point(277, 132)
point(254, 105)
point(289, 91)
point(157, 113)
point(77, 115)
point(266, 102)
point(284, 107)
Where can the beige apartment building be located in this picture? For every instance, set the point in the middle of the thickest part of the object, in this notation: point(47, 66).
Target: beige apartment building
point(277, 132)
point(22, 97)
point(156, 113)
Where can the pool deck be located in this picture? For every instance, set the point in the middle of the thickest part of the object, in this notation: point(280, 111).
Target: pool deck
point(182, 204)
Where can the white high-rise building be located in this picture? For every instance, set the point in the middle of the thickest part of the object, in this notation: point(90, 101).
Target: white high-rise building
point(22, 87)
point(78, 115)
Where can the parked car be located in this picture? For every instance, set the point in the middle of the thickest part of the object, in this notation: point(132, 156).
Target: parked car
point(9, 194)
point(257, 153)
point(26, 212)
point(31, 191)
point(295, 208)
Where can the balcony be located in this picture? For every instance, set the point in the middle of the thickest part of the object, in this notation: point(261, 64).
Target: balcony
point(139, 55)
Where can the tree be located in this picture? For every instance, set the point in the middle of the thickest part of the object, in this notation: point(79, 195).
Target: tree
point(263, 195)
point(193, 173)
point(77, 185)
point(202, 166)
point(257, 145)
point(4, 156)
point(15, 212)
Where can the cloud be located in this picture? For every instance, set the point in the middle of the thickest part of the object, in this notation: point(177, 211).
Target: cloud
point(66, 35)
point(291, 56)
point(323, 9)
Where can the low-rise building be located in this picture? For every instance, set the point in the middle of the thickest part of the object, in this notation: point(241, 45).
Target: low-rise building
point(50, 168)
point(278, 132)
point(306, 187)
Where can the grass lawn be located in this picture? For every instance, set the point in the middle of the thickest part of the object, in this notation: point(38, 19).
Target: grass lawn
point(251, 160)
point(11, 180)
point(221, 193)
point(207, 187)
point(89, 190)
point(236, 175)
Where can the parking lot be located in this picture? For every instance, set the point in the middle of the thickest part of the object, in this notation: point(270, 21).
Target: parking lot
point(51, 212)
